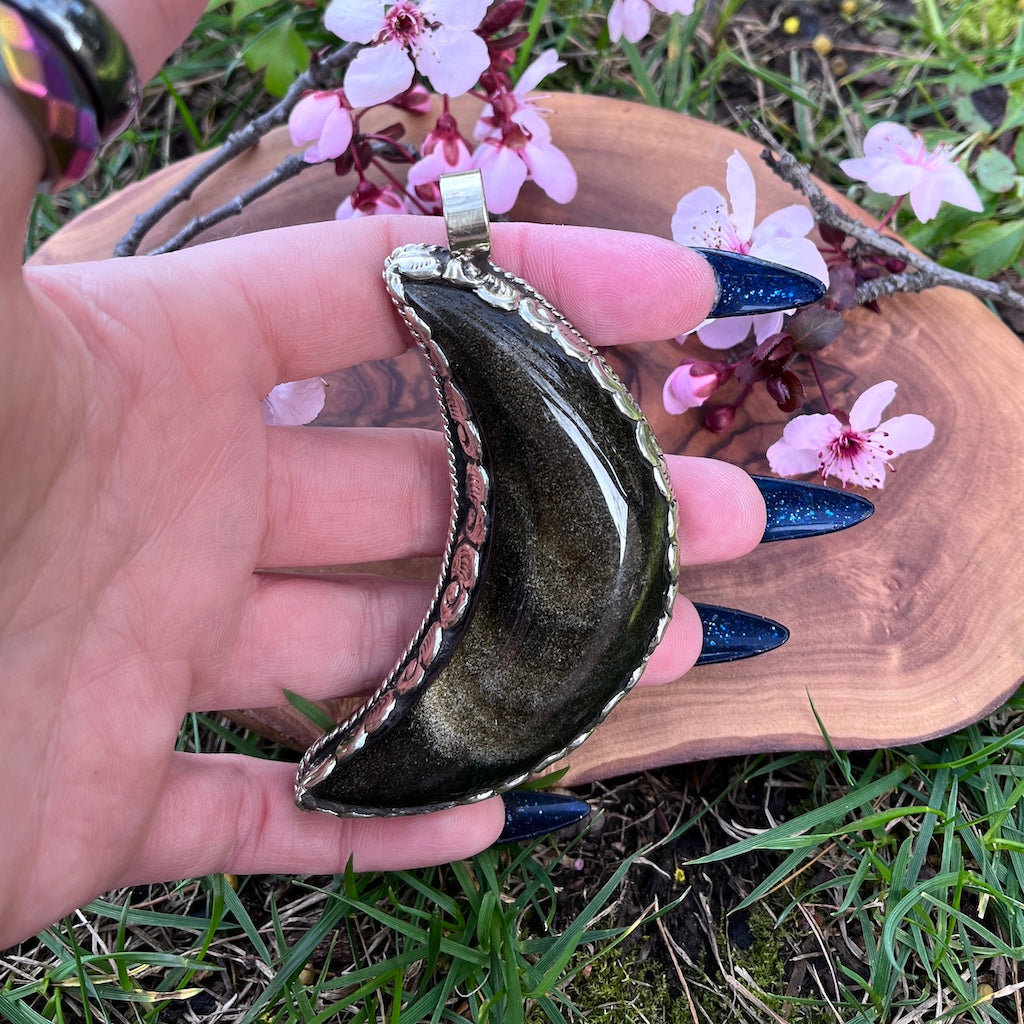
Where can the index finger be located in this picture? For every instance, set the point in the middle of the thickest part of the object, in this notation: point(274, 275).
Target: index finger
point(303, 301)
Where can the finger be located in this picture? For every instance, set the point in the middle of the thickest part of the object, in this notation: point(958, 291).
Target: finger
point(679, 648)
point(340, 496)
point(228, 813)
point(298, 302)
point(326, 638)
point(721, 512)
point(358, 495)
point(320, 638)
point(340, 638)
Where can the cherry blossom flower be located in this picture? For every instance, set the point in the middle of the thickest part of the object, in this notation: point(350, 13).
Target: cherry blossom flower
point(294, 403)
point(434, 37)
point(322, 119)
point(632, 18)
point(857, 452)
point(444, 152)
point(369, 200)
point(703, 218)
point(516, 143)
point(896, 162)
point(690, 384)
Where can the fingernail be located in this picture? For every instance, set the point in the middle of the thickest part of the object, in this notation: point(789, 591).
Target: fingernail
point(807, 510)
point(730, 635)
point(529, 814)
point(749, 285)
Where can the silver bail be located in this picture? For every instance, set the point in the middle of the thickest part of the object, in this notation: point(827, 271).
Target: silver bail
point(465, 213)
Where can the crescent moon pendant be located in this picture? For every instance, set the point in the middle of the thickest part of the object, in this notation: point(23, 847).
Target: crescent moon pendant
point(561, 563)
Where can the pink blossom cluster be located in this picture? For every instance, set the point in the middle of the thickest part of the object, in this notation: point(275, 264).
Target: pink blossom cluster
point(854, 448)
point(455, 45)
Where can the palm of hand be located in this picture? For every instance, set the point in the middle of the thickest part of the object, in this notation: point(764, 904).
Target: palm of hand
point(152, 524)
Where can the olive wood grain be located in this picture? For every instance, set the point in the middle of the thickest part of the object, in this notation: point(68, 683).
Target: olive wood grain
point(906, 627)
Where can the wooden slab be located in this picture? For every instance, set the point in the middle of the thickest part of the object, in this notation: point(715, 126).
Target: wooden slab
point(904, 628)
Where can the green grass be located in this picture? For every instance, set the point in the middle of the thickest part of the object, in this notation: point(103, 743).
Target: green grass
point(872, 887)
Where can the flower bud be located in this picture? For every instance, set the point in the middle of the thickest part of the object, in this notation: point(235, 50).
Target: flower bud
point(719, 418)
point(689, 385)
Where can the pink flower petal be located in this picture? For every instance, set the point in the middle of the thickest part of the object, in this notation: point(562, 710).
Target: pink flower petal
point(887, 139)
point(723, 334)
point(456, 14)
point(356, 21)
point(308, 115)
point(958, 190)
point(674, 6)
point(785, 460)
point(812, 431)
point(905, 433)
point(684, 391)
point(896, 179)
point(702, 218)
point(797, 253)
point(294, 403)
point(739, 183)
point(629, 18)
point(766, 324)
point(789, 222)
point(547, 63)
point(434, 164)
point(550, 168)
point(503, 175)
point(453, 60)
point(336, 135)
point(377, 74)
point(868, 409)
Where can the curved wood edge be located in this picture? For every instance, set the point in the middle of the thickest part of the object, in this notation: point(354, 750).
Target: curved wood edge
point(902, 629)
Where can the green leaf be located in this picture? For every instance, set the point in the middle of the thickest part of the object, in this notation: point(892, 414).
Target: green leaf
point(243, 8)
point(282, 54)
point(995, 171)
point(313, 712)
point(991, 246)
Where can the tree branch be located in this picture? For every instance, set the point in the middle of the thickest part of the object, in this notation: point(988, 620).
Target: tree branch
point(928, 273)
point(319, 76)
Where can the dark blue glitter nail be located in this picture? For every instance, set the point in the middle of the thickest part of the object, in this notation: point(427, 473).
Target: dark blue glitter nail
point(730, 635)
point(747, 285)
point(807, 510)
point(530, 814)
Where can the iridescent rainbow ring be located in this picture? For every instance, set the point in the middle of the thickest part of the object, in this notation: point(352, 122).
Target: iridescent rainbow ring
point(72, 75)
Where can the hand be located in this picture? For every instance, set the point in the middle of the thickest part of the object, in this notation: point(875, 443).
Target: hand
point(142, 490)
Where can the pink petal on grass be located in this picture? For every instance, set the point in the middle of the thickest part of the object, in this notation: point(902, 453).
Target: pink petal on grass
point(629, 18)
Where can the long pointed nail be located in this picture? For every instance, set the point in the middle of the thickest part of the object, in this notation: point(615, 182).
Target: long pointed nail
point(749, 285)
point(530, 814)
point(806, 510)
point(730, 635)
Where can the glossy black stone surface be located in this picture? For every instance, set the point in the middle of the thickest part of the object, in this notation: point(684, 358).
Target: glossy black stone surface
point(576, 585)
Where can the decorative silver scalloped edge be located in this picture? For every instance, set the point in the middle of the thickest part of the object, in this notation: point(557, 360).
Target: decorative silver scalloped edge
point(505, 291)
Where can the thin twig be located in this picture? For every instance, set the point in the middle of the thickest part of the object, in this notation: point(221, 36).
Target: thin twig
point(929, 274)
point(318, 76)
point(287, 168)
